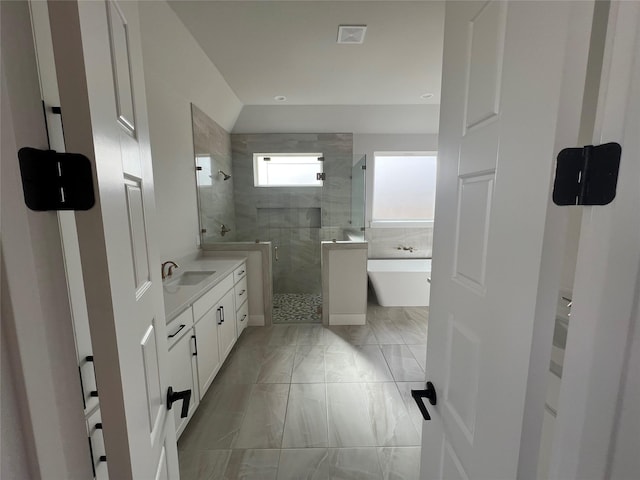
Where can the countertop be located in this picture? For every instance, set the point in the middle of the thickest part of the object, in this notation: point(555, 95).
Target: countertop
point(179, 297)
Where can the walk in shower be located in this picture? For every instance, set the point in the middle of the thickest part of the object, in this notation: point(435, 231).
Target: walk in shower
point(237, 206)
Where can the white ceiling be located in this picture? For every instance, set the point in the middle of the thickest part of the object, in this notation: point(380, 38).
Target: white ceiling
point(269, 48)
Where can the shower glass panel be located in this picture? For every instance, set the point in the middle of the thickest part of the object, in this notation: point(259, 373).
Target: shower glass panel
point(216, 206)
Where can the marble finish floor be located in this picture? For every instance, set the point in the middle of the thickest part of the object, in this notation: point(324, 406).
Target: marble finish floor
point(296, 308)
point(297, 402)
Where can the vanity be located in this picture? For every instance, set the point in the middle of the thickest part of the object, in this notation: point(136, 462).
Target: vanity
point(206, 310)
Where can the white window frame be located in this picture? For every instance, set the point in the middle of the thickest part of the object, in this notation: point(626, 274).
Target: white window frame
point(396, 223)
point(256, 167)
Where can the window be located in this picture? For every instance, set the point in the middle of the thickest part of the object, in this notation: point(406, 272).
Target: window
point(404, 189)
point(287, 169)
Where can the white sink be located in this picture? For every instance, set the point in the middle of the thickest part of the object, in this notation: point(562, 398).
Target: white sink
point(192, 278)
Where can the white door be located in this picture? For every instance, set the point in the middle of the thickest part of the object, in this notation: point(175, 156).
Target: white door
point(503, 76)
point(100, 78)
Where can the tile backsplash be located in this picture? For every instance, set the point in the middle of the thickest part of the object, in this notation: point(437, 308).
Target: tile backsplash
point(388, 242)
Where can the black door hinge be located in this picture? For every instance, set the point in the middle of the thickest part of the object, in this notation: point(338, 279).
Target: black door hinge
point(588, 175)
point(321, 176)
point(56, 181)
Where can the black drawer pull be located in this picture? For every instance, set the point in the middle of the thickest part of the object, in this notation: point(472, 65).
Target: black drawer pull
point(195, 345)
point(241, 273)
point(177, 331)
point(430, 394)
point(241, 293)
point(243, 317)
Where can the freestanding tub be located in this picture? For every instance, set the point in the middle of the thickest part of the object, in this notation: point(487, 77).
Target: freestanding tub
point(400, 282)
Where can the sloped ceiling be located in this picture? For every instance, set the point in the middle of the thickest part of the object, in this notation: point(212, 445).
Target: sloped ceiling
point(269, 48)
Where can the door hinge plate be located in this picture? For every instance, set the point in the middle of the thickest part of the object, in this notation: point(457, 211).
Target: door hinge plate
point(321, 176)
point(56, 181)
point(588, 175)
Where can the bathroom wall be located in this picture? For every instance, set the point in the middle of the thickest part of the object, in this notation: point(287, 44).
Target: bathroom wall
point(212, 146)
point(384, 242)
point(178, 73)
point(294, 219)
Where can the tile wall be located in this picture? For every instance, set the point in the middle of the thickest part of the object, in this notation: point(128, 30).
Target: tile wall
point(296, 220)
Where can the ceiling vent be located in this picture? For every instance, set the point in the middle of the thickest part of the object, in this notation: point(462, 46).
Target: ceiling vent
point(351, 34)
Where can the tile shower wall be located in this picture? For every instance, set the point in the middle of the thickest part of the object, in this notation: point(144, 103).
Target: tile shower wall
point(212, 148)
point(294, 219)
point(388, 242)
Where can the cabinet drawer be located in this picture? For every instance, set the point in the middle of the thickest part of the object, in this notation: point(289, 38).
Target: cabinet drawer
point(242, 318)
point(240, 272)
point(209, 299)
point(179, 326)
point(241, 292)
point(96, 444)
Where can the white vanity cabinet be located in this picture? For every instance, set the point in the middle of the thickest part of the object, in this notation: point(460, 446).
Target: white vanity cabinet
point(183, 372)
point(208, 351)
point(241, 295)
point(201, 337)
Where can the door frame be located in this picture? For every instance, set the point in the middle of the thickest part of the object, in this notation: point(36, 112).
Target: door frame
point(605, 294)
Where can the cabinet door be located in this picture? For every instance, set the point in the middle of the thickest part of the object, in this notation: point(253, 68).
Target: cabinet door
point(208, 353)
point(181, 374)
point(227, 329)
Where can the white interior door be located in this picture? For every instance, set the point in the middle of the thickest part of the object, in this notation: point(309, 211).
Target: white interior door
point(503, 85)
point(100, 77)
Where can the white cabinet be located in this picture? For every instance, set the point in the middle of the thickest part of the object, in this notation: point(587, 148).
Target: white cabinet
point(201, 337)
point(208, 350)
point(226, 324)
point(183, 374)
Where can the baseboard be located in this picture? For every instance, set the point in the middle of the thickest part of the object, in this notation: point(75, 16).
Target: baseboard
point(256, 321)
point(348, 319)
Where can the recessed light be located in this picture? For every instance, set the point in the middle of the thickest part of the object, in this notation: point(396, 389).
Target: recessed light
point(280, 98)
point(426, 96)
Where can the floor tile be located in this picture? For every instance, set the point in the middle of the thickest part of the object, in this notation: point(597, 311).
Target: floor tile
point(420, 354)
point(203, 465)
point(414, 413)
point(350, 335)
point(310, 335)
point(399, 463)
point(306, 420)
point(308, 364)
point(402, 363)
point(252, 465)
point(349, 416)
point(390, 419)
point(385, 331)
point(283, 335)
point(276, 364)
point(330, 464)
point(263, 423)
point(356, 363)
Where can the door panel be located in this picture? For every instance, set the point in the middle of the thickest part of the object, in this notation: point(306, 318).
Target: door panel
point(99, 67)
point(502, 76)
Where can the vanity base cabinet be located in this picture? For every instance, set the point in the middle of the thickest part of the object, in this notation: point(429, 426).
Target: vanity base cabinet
point(227, 327)
point(208, 350)
point(183, 375)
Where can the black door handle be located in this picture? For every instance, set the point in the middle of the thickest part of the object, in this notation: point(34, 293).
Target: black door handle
point(184, 395)
point(430, 394)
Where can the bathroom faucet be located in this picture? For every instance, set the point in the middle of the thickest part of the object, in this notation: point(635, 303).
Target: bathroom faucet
point(172, 265)
point(409, 249)
point(224, 229)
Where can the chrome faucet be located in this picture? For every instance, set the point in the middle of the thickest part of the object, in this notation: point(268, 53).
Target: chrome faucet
point(224, 229)
point(172, 265)
point(409, 249)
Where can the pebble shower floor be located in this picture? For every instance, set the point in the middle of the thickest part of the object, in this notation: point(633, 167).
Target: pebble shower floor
point(297, 308)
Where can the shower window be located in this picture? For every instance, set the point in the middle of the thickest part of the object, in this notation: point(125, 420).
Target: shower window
point(404, 188)
point(288, 169)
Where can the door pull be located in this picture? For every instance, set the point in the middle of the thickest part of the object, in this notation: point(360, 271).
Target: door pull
point(430, 394)
point(184, 395)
